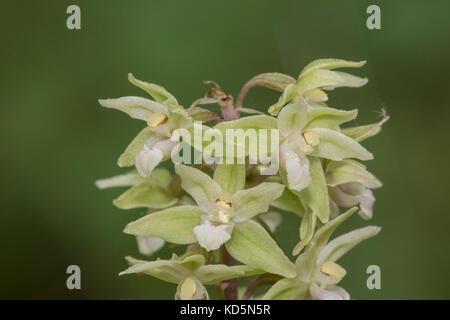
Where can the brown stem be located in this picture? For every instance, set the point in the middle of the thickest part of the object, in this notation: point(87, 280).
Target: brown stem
point(225, 101)
point(261, 280)
point(230, 287)
point(272, 80)
point(245, 89)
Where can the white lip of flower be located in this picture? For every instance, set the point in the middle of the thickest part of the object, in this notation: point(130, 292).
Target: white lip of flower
point(149, 245)
point(216, 228)
point(354, 193)
point(222, 210)
point(296, 166)
point(211, 236)
point(333, 293)
point(147, 159)
point(154, 152)
point(297, 144)
point(366, 204)
point(323, 285)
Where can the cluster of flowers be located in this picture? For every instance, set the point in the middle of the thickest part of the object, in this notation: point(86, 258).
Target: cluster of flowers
point(224, 213)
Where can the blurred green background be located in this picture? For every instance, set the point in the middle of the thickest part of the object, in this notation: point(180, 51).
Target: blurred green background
point(56, 140)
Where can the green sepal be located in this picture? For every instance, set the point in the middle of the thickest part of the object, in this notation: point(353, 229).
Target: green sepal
point(252, 245)
point(174, 225)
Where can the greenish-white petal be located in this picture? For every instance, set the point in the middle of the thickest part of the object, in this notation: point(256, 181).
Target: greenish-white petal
point(316, 194)
point(292, 118)
point(174, 225)
point(230, 177)
point(337, 146)
point(306, 262)
point(251, 122)
point(160, 177)
point(214, 273)
point(200, 186)
point(248, 203)
point(179, 118)
point(130, 178)
point(330, 64)
point(348, 170)
point(128, 157)
point(253, 246)
point(289, 202)
point(272, 80)
point(287, 96)
point(165, 270)
point(361, 133)
point(329, 80)
point(339, 246)
point(192, 261)
point(149, 245)
point(324, 117)
point(157, 92)
point(307, 228)
point(136, 107)
point(323, 233)
point(287, 289)
point(201, 114)
point(272, 220)
point(145, 195)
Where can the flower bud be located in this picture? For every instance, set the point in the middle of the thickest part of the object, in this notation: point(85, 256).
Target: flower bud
point(191, 289)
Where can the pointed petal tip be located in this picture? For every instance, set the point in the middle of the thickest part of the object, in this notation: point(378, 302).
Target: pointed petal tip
point(127, 229)
point(377, 229)
point(99, 184)
point(324, 219)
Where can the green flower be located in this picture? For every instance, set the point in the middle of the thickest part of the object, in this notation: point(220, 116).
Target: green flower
point(350, 184)
point(153, 144)
point(153, 193)
point(316, 77)
point(190, 273)
point(308, 135)
point(317, 271)
point(223, 216)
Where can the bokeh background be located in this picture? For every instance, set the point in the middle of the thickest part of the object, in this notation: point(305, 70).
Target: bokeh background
point(56, 140)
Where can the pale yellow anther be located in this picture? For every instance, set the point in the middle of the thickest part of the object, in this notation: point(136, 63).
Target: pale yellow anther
point(223, 217)
point(157, 119)
point(316, 95)
point(311, 138)
point(333, 270)
point(223, 209)
point(223, 206)
point(188, 289)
